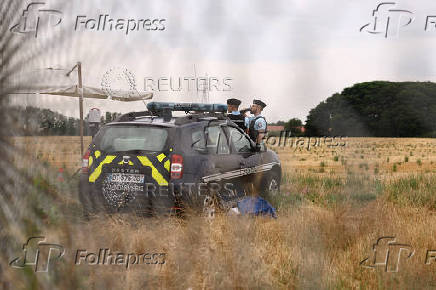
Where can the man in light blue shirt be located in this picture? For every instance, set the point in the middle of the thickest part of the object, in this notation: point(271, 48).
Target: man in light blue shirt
point(257, 125)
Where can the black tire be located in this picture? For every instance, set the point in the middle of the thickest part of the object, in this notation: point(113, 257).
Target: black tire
point(87, 202)
point(211, 206)
point(271, 185)
point(92, 202)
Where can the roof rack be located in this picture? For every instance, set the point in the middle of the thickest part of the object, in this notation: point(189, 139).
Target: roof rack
point(198, 117)
point(132, 116)
point(165, 109)
point(186, 107)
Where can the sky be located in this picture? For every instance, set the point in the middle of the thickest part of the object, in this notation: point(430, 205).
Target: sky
point(290, 54)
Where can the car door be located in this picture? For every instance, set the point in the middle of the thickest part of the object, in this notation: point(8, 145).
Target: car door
point(243, 150)
point(224, 170)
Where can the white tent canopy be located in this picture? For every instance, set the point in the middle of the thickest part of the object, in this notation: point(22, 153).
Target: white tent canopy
point(90, 93)
point(95, 93)
point(36, 83)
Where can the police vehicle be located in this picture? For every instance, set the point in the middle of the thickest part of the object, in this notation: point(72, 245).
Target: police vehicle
point(154, 162)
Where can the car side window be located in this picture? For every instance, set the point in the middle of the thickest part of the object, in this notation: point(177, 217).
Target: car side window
point(240, 141)
point(216, 140)
point(198, 139)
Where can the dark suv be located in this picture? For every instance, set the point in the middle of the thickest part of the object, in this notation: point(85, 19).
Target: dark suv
point(153, 162)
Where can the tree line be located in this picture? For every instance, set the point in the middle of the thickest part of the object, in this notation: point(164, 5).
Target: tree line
point(369, 109)
point(376, 109)
point(30, 121)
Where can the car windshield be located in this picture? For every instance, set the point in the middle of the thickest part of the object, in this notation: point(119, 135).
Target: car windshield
point(133, 138)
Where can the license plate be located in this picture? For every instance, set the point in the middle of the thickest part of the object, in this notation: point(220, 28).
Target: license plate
point(125, 178)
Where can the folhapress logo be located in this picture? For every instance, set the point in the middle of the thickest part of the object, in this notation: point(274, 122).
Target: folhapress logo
point(38, 254)
point(387, 254)
point(34, 19)
point(106, 23)
point(388, 21)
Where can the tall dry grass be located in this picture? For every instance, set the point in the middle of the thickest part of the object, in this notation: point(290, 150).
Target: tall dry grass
point(327, 224)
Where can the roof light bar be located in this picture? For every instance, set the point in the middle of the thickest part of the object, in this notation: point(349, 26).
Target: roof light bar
point(186, 107)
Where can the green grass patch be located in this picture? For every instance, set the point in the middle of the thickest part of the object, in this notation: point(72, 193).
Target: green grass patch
point(414, 190)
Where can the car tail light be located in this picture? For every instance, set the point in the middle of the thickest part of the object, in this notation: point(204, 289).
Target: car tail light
point(176, 166)
point(85, 161)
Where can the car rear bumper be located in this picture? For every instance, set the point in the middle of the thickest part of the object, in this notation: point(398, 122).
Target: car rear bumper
point(153, 202)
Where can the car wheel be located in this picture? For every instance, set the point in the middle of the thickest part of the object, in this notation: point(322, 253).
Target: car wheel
point(272, 184)
point(211, 206)
point(88, 207)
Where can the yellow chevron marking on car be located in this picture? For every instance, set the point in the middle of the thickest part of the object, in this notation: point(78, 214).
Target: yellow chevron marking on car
point(90, 159)
point(122, 162)
point(167, 165)
point(97, 154)
point(93, 176)
point(154, 172)
point(161, 157)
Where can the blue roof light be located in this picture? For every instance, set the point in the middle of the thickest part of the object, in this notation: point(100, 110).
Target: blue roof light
point(186, 107)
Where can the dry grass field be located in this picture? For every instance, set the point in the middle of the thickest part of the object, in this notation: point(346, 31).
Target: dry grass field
point(59, 152)
point(334, 205)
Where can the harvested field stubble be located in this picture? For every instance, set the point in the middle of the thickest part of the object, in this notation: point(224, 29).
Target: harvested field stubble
point(328, 222)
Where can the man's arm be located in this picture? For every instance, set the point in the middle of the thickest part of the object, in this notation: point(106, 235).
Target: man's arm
point(260, 137)
point(260, 126)
point(247, 124)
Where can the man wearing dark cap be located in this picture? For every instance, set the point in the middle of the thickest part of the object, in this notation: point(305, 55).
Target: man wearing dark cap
point(234, 114)
point(257, 125)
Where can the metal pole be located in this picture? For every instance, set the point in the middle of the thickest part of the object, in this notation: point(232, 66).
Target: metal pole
point(79, 72)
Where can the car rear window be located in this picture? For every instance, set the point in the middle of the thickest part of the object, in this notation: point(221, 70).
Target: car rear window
point(129, 138)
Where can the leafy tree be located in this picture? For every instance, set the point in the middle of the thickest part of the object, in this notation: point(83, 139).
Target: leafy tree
point(379, 108)
point(108, 117)
point(71, 128)
point(294, 125)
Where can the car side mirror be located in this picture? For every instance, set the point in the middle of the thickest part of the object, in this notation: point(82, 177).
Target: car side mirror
point(260, 148)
